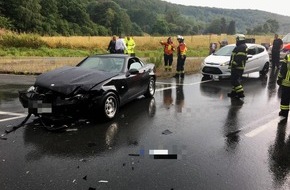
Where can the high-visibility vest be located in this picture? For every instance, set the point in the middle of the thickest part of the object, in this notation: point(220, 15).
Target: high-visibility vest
point(130, 46)
point(284, 73)
point(181, 49)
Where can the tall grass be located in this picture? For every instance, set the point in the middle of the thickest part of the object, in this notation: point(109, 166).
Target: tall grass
point(148, 47)
point(21, 40)
point(144, 43)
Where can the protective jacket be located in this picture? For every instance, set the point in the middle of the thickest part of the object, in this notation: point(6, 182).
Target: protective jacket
point(181, 49)
point(168, 47)
point(130, 45)
point(284, 74)
point(239, 57)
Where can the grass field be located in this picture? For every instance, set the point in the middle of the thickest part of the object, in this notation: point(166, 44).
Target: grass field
point(62, 51)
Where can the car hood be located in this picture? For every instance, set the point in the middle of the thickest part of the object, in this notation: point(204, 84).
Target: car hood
point(67, 79)
point(216, 60)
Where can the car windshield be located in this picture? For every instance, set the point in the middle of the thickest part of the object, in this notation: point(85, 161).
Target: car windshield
point(225, 51)
point(107, 64)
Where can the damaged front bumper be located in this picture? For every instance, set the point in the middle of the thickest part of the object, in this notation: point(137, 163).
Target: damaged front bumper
point(50, 103)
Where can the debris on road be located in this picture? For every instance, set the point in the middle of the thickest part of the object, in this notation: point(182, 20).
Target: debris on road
point(103, 181)
point(166, 132)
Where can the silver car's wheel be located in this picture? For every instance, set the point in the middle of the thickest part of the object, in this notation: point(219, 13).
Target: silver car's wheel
point(265, 69)
point(151, 88)
point(111, 106)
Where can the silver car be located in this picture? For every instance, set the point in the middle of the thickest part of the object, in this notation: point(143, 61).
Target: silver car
point(217, 63)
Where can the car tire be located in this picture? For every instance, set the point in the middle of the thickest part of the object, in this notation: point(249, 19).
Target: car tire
point(265, 69)
point(151, 88)
point(110, 106)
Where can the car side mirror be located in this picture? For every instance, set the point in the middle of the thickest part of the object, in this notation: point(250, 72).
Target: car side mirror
point(132, 72)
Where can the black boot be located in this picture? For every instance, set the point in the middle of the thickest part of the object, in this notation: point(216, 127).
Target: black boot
point(176, 75)
point(240, 95)
point(182, 75)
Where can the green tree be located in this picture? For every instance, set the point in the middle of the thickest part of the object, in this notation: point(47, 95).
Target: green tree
point(49, 11)
point(232, 28)
point(214, 27)
point(5, 23)
point(223, 26)
point(24, 14)
point(273, 25)
point(160, 27)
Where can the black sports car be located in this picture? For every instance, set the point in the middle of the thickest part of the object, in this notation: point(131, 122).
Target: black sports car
point(98, 85)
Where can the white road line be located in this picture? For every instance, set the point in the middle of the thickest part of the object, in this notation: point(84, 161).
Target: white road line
point(184, 84)
point(262, 128)
point(14, 116)
point(167, 88)
point(11, 118)
point(11, 113)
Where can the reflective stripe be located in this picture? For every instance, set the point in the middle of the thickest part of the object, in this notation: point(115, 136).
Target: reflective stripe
point(241, 53)
point(238, 88)
point(284, 107)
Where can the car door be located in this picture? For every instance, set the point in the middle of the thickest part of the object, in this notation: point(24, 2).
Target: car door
point(134, 80)
point(253, 60)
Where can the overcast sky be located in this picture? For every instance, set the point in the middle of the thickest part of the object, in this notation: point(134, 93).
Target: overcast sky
point(273, 6)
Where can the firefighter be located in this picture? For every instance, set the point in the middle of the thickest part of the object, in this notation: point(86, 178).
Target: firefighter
point(168, 53)
point(181, 57)
point(237, 65)
point(284, 82)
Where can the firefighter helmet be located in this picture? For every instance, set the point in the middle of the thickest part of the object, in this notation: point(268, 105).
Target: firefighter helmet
point(180, 39)
point(240, 37)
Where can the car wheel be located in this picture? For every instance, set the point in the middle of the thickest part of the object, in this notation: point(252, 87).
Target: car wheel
point(110, 106)
point(265, 69)
point(151, 88)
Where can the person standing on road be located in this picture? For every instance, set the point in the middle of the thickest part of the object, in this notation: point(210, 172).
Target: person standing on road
point(284, 81)
point(168, 53)
point(277, 46)
point(111, 46)
point(120, 46)
point(181, 57)
point(237, 65)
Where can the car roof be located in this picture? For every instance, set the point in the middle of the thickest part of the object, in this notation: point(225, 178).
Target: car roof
point(112, 55)
point(248, 44)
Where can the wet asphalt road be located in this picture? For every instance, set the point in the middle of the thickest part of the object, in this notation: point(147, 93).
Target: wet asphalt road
point(213, 142)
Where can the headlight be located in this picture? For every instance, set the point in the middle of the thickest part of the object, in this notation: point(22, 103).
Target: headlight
point(31, 89)
point(224, 64)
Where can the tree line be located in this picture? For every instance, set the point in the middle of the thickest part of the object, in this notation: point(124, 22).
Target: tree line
point(108, 17)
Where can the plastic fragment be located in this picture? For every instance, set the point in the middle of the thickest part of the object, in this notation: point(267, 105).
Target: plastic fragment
point(166, 132)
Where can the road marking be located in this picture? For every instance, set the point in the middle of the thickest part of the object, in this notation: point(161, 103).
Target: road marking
point(257, 130)
point(185, 84)
point(14, 116)
point(178, 84)
point(167, 88)
point(262, 128)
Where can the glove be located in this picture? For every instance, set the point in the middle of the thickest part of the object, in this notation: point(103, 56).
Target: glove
point(279, 82)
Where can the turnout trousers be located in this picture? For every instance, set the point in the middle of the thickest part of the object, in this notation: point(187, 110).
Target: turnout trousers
point(285, 100)
point(236, 78)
